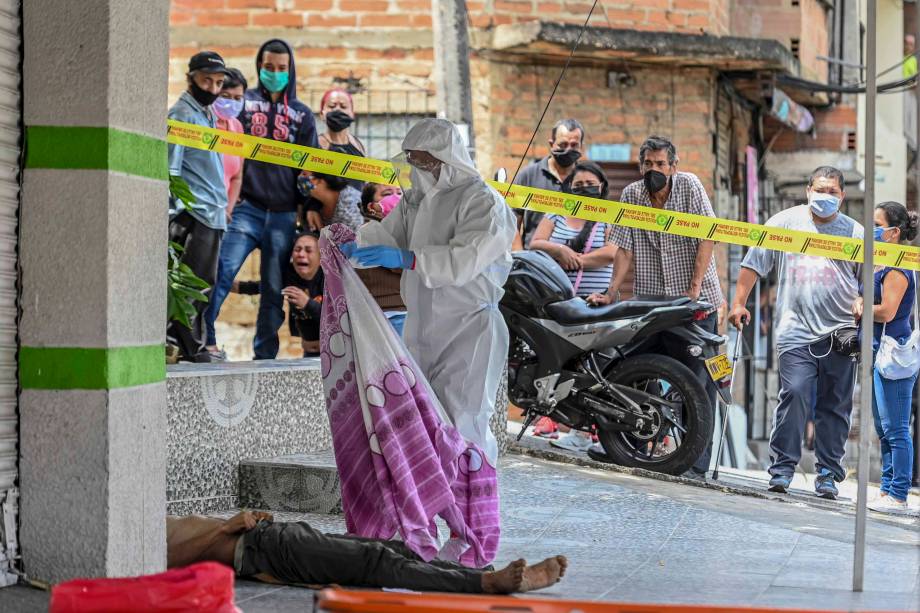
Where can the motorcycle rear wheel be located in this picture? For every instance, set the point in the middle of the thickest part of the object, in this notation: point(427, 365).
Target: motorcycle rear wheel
point(696, 415)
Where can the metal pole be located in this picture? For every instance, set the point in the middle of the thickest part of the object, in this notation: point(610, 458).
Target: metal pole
point(865, 364)
point(914, 404)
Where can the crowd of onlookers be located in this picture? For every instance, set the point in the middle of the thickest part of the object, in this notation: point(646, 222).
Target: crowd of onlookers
point(239, 207)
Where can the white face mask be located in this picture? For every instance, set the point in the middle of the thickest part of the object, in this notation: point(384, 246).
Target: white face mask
point(423, 181)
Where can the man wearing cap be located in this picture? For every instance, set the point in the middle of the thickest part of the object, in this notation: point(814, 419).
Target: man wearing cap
point(199, 225)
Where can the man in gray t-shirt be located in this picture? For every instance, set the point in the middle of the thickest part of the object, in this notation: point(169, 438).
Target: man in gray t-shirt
point(814, 298)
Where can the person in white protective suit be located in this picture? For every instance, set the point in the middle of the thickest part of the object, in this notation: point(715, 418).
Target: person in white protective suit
point(452, 235)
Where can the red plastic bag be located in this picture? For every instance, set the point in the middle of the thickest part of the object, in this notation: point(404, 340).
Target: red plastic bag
point(205, 587)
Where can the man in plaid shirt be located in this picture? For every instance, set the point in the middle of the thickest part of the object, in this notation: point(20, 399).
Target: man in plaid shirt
point(665, 264)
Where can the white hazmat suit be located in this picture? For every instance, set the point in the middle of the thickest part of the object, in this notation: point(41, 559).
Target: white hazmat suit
point(460, 231)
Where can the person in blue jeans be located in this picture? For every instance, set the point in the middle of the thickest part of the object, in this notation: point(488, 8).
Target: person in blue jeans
point(265, 217)
point(895, 294)
point(813, 300)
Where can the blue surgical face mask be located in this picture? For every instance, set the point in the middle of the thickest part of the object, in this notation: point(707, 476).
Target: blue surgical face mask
point(227, 108)
point(823, 205)
point(879, 231)
point(273, 81)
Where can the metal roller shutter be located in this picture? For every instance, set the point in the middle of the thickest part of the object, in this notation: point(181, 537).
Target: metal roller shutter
point(10, 149)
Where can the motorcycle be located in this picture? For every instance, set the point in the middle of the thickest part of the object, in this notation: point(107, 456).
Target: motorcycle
point(595, 369)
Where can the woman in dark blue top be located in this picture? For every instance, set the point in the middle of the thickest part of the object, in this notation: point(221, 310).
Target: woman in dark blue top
point(891, 406)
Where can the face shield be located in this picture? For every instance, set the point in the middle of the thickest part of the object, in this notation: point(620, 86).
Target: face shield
point(417, 169)
point(402, 172)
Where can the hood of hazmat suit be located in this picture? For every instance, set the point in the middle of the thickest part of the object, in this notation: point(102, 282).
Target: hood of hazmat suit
point(461, 231)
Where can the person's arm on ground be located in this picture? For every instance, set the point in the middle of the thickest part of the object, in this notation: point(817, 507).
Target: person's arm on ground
point(893, 289)
point(567, 258)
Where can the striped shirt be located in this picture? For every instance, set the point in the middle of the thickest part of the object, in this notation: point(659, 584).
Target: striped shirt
point(596, 279)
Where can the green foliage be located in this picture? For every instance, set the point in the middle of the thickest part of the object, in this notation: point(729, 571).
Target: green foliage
point(183, 287)
point(181, 192)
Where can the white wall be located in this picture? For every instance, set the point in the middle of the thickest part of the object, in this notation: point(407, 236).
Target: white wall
point(890, 144)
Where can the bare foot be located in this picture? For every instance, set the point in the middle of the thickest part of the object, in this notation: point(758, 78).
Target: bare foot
point(506, 580)
point(544, 574)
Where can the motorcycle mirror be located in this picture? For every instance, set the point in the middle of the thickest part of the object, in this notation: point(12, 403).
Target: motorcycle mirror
point(501, 175)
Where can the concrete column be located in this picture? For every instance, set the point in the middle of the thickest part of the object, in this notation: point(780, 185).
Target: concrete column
point(452, 64)
point(93, 252)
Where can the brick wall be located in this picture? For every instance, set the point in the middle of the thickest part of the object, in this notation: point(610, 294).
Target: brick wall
point(694, 16)
point(834, 129)
point(803, 21)
point(671, 102)
point(387, 43)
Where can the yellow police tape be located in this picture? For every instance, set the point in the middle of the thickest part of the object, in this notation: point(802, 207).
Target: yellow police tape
point(521, 197)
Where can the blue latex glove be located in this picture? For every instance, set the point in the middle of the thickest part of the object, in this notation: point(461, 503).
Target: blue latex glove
point(385, 257)
point(348, 248)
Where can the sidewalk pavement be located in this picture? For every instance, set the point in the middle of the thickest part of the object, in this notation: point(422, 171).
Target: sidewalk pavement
point(641, 538)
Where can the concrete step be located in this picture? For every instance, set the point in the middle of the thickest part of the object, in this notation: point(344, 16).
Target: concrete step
point(298, 483)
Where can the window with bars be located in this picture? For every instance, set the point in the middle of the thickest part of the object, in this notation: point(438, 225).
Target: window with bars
point(382, 117)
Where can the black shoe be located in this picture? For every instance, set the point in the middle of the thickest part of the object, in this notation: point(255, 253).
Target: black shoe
point(694, 474)
point(205, 357)
point(599, 456)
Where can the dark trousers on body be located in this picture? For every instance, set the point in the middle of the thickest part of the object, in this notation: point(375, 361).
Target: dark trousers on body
point(202, 246)
point(824, 383)
point(676, 347)
point(294, 552)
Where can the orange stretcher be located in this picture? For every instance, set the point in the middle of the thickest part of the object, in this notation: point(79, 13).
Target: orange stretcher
point(360, 601)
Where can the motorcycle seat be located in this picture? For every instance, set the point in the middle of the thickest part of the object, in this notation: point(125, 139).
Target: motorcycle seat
point(576, 311)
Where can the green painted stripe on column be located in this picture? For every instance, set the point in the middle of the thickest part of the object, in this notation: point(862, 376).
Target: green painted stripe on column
point(82, 148)
point(65, 368)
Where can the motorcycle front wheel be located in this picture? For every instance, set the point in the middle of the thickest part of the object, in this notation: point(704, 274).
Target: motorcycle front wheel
point(671, 448)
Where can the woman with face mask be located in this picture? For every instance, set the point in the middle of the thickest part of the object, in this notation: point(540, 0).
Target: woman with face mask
point(583, 249)
point(227, 107)
point(892, 398)
point(338, 111)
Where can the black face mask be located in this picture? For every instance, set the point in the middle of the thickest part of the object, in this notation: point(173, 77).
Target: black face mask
point(655, 181)
point(338, 120)
point(589, 191)
point(201, 96)
point(566, 158)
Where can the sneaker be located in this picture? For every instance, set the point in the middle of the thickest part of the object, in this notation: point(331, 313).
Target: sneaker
point(546, 428)
point(596, 452)
point(887, 504)
point(694, 474)
point(825, 486)
point(573, 440)
point(780, 483)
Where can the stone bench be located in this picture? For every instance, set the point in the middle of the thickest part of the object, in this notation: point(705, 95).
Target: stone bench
point(248, 433)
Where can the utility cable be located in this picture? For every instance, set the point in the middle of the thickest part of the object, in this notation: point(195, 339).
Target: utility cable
point(815, 86)
point(551, 96)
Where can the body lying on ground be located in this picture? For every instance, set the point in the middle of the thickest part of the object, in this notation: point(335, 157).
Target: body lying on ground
point(256, 547)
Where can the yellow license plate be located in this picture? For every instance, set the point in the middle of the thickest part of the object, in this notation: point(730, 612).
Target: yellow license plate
point(719, 367)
